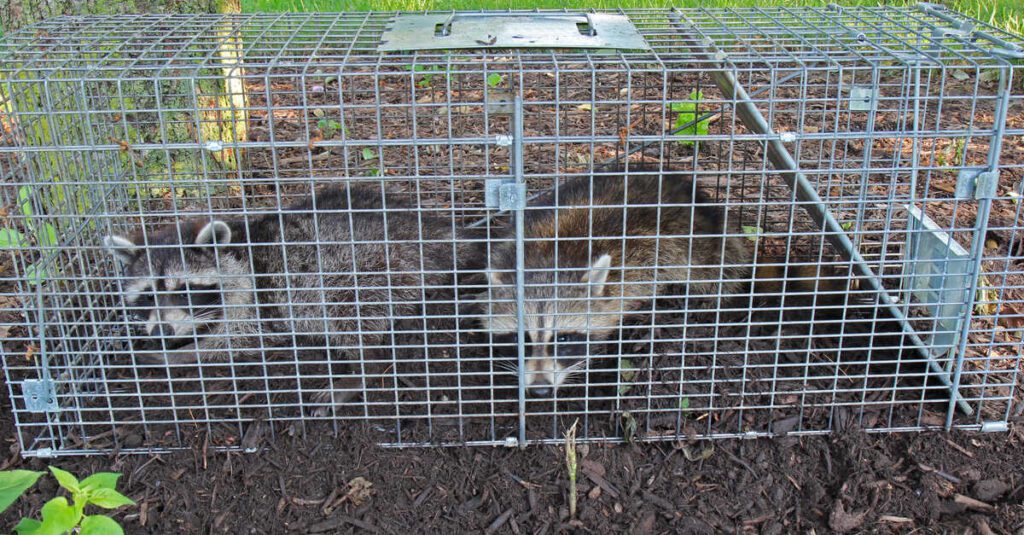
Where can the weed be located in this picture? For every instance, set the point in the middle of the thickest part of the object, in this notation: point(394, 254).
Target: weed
point(494, 80)
point(45, 235)
point(571, 465)
point(59, 515)
point(688, 114)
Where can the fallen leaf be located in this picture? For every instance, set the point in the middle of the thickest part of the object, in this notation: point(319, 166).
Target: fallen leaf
point(359, 490)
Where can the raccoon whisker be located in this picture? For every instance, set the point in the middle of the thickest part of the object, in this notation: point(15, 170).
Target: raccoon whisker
point(575, 367)
point(507, 366)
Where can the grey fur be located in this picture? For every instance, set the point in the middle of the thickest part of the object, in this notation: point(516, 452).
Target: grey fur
point(672, 231)
point(328, 272)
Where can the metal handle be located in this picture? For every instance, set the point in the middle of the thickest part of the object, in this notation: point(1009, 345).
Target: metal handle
point(445, 28)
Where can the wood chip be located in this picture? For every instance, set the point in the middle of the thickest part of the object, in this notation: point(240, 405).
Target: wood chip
point(895, 519)
point(973, 504)
point(959, 448)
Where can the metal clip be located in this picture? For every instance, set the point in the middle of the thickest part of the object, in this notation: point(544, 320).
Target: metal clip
point(504, 194)
point(975, 183)
point(863, 98)
point(40, 395)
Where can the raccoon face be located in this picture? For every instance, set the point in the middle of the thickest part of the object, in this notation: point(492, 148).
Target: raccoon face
point(565, 319)
point(176, 284)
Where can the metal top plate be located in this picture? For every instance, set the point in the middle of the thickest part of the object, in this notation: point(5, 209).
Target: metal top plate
point(511, 30)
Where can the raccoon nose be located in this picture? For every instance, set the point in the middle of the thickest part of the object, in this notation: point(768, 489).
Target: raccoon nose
point(164, 330)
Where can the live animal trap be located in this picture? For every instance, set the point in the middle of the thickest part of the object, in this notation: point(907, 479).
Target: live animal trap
point(478, 228)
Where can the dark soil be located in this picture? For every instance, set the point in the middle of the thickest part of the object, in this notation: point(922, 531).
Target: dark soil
point(848, 482)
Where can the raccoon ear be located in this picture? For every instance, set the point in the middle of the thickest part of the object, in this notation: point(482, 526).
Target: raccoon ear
point(215, 232)
point(123, 249)
point(598, 274)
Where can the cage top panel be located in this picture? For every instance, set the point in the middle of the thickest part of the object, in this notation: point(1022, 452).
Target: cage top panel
point(747, 38)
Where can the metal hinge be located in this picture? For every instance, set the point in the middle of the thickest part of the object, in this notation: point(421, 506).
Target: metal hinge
point(504, 194)
point(40, 395)
point(977, 184)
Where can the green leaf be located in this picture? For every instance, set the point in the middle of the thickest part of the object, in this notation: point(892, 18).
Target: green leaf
point(684, 404)
point(494, 79)
point(847, 226)
point(751, 232)
point(66, 480)
point(14, 483)
point(25, 201)
point(368, 154)
point(48, 236)
point(28, 526)
point(100, 480)
point(627, 373)
point(688, 113)
point(100, 525)
point(58, 516)
point(34, 275)
point(108, 498)
point(10, 238)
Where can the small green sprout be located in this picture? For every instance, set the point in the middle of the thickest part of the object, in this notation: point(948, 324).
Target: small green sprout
point(494, 79)
point(689, 112)
point(59, 515)
point(570, 465)
point(751, 232)
point(626, 373)
point(427, 78)
point(328, 127)
point(628, 426)
point(368, 154)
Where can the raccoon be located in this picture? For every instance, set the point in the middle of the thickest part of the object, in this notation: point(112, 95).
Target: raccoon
point(337, 270)
point(594, 251)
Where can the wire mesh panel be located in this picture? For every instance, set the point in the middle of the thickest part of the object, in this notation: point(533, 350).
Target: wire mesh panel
point(658, 224)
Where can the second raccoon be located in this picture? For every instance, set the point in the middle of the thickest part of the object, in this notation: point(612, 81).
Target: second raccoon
point(597, 250)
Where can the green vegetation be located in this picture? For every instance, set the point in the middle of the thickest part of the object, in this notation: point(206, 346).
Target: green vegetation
point(59, 515)
point(1006, 14)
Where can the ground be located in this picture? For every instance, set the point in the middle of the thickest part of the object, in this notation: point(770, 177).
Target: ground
point(849, 482)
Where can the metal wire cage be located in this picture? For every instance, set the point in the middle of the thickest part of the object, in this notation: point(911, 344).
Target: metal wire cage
point(479, 228)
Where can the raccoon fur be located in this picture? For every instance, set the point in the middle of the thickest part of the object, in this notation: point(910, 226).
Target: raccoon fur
point(599, 250)
point(335, 271)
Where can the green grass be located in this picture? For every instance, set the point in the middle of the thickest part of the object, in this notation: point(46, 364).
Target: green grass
point(1006, 14)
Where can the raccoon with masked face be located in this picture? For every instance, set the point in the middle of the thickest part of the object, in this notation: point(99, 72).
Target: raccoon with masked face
point(338, 270)
point(597, 250)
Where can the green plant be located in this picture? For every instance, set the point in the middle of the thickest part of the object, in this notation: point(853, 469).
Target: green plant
point(45, 235)
point(427, 78)
point(571, 465)
point(494, 79)
point(626, 372)
point(689, 112)
point(328, 127)
point(60, 516)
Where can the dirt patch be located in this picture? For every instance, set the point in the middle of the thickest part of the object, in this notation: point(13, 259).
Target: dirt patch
point(327, 483)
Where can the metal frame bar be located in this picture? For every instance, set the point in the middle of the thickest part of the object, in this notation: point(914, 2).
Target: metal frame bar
point(811, 202)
